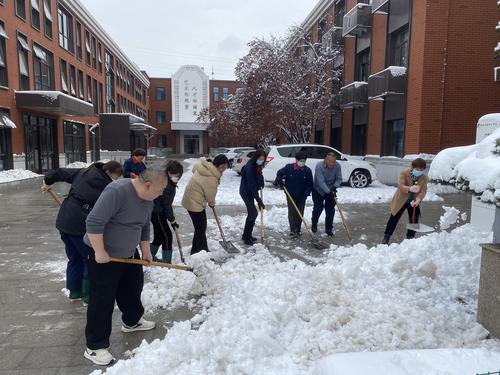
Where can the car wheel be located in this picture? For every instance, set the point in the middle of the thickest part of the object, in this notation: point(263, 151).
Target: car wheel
point(359, 179)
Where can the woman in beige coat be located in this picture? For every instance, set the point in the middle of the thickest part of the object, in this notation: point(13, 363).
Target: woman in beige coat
point(412, 187)
point(200, 191)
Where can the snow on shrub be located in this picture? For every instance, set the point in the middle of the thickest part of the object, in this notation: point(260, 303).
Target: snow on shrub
point(475, 167)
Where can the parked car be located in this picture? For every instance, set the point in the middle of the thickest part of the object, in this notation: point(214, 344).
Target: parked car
point(241, 160)
point(233, 151)
point(356, 173)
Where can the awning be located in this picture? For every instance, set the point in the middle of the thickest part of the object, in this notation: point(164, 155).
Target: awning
point(142, 127)
point(6, 122)
point(53, 102)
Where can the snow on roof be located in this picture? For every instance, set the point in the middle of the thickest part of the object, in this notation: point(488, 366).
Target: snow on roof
point(475, 167)
point(53, 95)
point(490, 118)
point(356, 84)
point(93, 127)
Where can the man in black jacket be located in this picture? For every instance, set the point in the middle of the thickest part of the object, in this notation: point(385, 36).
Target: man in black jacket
point(87, 185)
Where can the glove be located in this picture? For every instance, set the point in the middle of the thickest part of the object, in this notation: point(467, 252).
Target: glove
point(46, 188)
point(174, 225)
point(261, 204)
point(333, 191)
point(415, 202)
point(415, 189)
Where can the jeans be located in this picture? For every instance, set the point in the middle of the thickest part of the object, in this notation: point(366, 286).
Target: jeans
point(251, 217)
point(77, 267)
point(328, 203)
point(162, 232)
point(199, 220)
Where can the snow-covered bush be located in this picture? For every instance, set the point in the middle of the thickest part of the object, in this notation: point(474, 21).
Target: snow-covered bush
point(475, 168)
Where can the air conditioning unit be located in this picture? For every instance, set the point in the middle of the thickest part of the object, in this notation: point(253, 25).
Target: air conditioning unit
point(497, 74)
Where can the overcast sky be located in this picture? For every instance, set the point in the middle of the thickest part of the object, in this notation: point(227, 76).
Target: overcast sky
point(162, 35)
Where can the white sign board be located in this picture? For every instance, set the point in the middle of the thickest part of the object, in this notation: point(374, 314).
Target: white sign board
point(487, 125)
point(190, 93)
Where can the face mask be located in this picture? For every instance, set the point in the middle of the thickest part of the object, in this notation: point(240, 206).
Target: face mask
point(301, 164)
point(175, 179)
point(417, 173)
point(260, 162)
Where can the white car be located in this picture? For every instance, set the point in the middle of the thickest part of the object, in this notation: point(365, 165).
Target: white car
point(241, 160)
point(356, 173)
point(233, 151)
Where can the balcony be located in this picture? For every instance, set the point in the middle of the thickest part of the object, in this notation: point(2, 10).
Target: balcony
point(331, 39)
point(354, 95)
point(390, 81)
point(358, 20)
point(379, 6)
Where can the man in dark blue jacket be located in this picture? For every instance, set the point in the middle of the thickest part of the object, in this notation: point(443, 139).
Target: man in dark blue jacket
point(251, 182)
point(298, 180)
point(134, 166)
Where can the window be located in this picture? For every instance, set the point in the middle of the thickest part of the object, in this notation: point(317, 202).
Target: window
point(72, 80)
point(65, 24)
point(21, 9)
point(47, 11)
point(89, 89)
point(22, 50)
point(97, 105)
point(43, 68)
point(216, 94)
point(161, 117)
point(99, 57)
point(87, 47)
point(161, 141)
point(363, 66)
point(101, 98)
point(81, 91)
point(160, 93)
point(393, 143)
point(79, 52)
point(288, 151)
point(35, 14)
point(64, 76)
point(225, 93)
point(399, 42)
point(94, 53)
point(74, 142)
point(3, 57)
point(358, 146)
point(110, 82)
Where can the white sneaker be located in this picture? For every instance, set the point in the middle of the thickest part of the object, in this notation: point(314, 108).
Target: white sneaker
point(142, 325)
point(101, 357)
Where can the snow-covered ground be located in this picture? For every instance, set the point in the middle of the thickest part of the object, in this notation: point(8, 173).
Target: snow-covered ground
point(228, 191)
point(16, 175)
point(475, 167)
point(259, 315)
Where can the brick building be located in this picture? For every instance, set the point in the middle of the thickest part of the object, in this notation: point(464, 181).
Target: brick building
point(59, 73)
point(417, 74)
point(174, 109)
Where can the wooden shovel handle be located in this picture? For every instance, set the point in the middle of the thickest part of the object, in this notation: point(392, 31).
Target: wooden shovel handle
point(149, 264)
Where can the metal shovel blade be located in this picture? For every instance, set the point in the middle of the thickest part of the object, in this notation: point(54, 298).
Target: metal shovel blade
point(318, 244)
point(229, 247)
point(421, 228)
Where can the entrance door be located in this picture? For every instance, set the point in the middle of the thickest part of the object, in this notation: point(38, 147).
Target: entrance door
point(74, 142)
point(40, 136)
point(191, 144)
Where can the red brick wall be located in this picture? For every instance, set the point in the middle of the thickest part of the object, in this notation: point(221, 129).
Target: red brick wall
point(166, 106)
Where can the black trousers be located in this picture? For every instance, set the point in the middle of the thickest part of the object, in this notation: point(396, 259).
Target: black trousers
point(162, 232)
point(252, 214)
point(199, 220)
point(328, 203)
point(394, 219)
point(110, 282)
point(293, 217)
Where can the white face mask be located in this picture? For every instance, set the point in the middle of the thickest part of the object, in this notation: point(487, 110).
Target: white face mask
point(175, 179)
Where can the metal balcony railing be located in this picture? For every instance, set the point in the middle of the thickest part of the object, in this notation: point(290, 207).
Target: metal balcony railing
point(354, 95)
point(380, 6)
point(358, 20)
point(390, 81)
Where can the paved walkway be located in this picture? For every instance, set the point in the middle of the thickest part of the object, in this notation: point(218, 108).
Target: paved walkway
point(42, 333)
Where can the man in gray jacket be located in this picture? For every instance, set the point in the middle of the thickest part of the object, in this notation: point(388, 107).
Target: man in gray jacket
point(117, 224)
point(327, 178)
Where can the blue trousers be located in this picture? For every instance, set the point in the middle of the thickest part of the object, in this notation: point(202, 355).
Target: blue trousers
point(77, 267)
point(328, 203)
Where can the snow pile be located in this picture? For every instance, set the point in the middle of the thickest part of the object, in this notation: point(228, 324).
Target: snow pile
point(229, 194)
point(449, 218)
point(78, 164)
point(263, 316)
point(475, 168)
point(16, 175)
point(421, 156)
point(411, 362)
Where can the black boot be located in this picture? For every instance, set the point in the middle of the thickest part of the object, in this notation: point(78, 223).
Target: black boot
point(248, 241)
point(386, 239)
point(410, 235)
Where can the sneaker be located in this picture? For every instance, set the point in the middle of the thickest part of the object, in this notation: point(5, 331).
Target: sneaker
point(142, 325)
point(101, 357)
point(314, 228)
point(75, 295)
point(249, 241)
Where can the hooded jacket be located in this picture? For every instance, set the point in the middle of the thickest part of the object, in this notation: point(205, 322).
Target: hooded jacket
point(202, 188)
